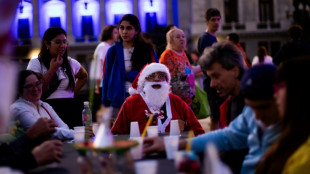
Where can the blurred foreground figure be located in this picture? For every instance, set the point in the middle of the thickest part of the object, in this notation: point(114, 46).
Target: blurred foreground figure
point(24, 152)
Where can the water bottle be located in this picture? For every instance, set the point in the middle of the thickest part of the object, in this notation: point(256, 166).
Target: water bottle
point(87, 121)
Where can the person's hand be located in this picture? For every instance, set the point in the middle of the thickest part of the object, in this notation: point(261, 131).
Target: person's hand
point(97, 91)
point(43, 128)
point(47, 152)
point(56, 62)
point(153, 144)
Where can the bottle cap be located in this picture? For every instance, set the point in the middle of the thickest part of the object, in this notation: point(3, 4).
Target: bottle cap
point(86, 103)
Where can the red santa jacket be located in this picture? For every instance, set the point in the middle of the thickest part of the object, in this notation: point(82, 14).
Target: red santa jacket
point(134, 108)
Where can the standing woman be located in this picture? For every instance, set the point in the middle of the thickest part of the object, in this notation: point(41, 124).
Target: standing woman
point(62, 76)
point(174, 57)
point(262, 57)
point(109, 35)
point(291, 153)
point(123, 62)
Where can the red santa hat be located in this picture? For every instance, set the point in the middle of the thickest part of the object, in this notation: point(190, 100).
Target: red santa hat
point(138, 84)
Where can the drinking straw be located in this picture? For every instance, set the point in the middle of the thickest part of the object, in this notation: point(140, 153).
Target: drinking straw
point(147, 124)
point(189, 140)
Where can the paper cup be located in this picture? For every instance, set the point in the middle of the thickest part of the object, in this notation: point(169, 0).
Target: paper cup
point(79, 136)
point(95, 128)
point(134, 129)
point(171, 146)
point(146, 167)
point(152, 131)
point(79, 128)
point(174, 128)
point(136, 152)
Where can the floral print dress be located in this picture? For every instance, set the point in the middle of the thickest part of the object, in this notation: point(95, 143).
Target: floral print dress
point(182, 76)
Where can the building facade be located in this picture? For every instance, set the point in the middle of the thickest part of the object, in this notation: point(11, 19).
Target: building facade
point(258, 22)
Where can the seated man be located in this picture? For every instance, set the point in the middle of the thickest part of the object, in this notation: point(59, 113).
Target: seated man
point(151, 95)
point(256, 128)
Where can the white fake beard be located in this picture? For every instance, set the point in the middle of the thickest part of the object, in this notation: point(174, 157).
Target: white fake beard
point(156, 98)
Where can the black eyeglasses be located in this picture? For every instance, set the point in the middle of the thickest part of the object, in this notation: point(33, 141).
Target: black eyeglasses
point(36, 85)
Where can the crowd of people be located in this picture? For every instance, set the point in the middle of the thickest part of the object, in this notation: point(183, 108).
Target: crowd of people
point(258, 110)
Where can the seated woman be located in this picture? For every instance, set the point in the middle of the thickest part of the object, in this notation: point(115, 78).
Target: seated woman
point(29, 108)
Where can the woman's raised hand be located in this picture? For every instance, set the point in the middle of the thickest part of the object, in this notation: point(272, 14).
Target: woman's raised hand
point(56, 62)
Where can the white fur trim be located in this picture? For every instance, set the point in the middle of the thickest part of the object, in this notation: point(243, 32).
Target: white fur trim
point(150, 69)
point(132, 91)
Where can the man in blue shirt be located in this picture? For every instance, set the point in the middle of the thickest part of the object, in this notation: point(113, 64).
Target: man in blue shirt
point(256, 128)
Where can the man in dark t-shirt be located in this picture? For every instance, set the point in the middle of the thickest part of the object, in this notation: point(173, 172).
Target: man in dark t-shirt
point(213, 20)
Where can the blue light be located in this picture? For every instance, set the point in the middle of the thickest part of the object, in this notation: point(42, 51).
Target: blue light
point(117, 8)
point(26, 14)
point(80, 10)
point(154, 7)
point(51, 10)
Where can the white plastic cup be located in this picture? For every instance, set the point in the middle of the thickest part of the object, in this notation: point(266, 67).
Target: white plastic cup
point(79, 128)
point(171, 146)
point(174, 128)
point(146, 167)
point(134, 129)
point(95, 128)
point(79, 136)
point(136, 152)
point(152, 131)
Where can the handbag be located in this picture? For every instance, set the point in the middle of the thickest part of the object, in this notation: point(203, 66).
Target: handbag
point(200, 104)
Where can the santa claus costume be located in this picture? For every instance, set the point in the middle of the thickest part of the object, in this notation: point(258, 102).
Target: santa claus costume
point(138, 107)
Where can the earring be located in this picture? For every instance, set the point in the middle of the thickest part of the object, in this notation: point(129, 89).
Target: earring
point(47, 48)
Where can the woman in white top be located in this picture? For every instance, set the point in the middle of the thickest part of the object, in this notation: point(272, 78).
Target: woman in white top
point(62, 76)
point(29, 108)
point(262, 57)
point(109, 35)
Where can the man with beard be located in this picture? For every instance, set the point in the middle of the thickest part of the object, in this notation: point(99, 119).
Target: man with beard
point(151, 95)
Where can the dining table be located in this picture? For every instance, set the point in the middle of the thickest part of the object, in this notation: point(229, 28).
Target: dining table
point(69, 163)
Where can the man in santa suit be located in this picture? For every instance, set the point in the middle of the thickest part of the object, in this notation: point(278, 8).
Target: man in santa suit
point(150, 94)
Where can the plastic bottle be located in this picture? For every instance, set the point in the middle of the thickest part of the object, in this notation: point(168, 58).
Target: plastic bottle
point(87, 121)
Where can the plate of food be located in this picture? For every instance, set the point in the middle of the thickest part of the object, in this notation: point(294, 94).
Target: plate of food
point(118, 146)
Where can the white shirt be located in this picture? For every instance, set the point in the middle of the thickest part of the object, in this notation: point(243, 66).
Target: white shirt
point(96, 68)
point(61, 91)
point(267, 60)
point(27, 113)
point(128, 65)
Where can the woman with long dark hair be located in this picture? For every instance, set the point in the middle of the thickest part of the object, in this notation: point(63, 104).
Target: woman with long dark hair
point(62, 75)
point(123, 62)
point(290, 154)
point(262, 57)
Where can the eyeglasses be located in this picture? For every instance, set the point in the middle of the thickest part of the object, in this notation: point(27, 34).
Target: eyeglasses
point(36, 85)
point(59, 42)
point(159, 75)
point(278, 86)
